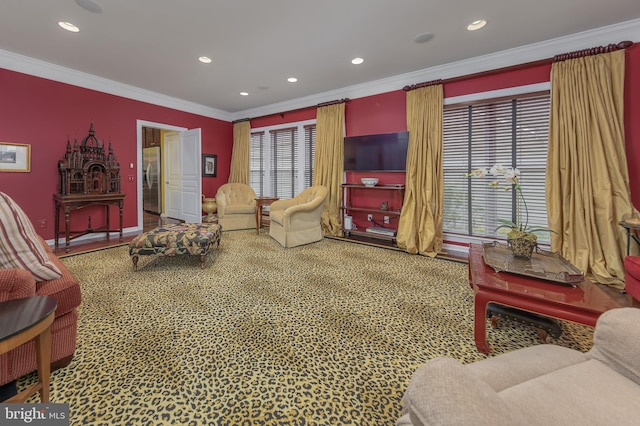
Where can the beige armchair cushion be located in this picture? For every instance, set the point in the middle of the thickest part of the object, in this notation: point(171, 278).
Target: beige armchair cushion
point(236, 206)
point(612, 342)
point(297, 221)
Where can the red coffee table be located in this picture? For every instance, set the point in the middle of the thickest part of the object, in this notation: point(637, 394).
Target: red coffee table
point(582, 304)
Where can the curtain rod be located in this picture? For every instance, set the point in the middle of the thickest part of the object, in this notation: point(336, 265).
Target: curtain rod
point(281, 114)
point(592, 51)
point(564, 56)
point(420, 85)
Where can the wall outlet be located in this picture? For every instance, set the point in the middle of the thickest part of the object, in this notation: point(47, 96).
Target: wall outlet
point(42, 223)
point(369, 217)
point(386, 219)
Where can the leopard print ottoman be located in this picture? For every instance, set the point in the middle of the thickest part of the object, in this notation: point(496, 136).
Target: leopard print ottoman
point(174, 239)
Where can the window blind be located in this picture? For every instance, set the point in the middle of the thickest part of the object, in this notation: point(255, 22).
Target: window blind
point(282, 159)
point(284, 167)
point(256, 163)
point(513, 133)
point(309, 154)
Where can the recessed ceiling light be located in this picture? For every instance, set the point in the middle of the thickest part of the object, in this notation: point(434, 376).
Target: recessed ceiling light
point(244, 94)
point(69, 26)
point(476, 25)
point(423, 37)
point(205, 59)
point(90, 5)
point(292, 79)
point(357, 61)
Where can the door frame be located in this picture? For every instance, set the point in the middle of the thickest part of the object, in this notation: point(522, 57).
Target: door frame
point(139, 125)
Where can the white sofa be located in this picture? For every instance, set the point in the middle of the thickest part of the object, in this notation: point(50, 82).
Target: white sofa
point(539, 385)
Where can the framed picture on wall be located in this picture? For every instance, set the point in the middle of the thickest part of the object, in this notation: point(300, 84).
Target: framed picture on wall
point(15, 157)
point(209, 165)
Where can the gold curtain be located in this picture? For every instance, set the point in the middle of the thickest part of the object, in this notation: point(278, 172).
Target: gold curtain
point(328, 168)
point(587, 177)
point(420, 225)
point(239, 172)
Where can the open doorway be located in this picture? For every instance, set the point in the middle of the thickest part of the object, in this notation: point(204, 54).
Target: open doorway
point(152, 170)
point(152, 180)
point(168, 174)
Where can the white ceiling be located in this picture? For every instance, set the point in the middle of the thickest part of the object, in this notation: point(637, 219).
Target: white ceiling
point(154, 44)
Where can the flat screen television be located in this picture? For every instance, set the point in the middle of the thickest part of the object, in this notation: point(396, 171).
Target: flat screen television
point(381, 152)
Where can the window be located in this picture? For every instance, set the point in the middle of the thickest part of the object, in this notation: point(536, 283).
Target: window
point(256, 161)
point(281, 159)
point(511, 132)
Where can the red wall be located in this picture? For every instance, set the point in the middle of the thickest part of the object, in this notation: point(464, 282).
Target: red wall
point(485, 83)
point(383, 113)
point(632, 120)
point(43, 113)
point(387, 112)
point(287, 117)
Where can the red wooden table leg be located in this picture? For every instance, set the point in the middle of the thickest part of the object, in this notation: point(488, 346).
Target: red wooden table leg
point(480, 322)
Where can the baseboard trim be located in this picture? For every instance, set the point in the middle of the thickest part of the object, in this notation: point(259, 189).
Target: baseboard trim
point(98, 236)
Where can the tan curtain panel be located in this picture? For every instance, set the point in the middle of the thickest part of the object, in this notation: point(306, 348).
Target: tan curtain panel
point(420, 225)
point(328, 167)
point(239, 172)
point(587, 177)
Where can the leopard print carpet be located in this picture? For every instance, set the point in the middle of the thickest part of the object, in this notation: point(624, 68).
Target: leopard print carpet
point(323, 334)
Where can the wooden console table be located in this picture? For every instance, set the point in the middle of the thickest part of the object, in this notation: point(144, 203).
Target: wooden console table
point(582, 304)
point(79, 201)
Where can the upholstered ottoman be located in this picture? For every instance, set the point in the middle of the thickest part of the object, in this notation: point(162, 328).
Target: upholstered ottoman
point(171, 240)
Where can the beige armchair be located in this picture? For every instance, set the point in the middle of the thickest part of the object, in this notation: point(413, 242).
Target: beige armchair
point(537, 385)
point(236, 206)
point(296, 221)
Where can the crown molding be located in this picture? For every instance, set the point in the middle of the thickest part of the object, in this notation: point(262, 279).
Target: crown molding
point(629, 30)
point(26, 65)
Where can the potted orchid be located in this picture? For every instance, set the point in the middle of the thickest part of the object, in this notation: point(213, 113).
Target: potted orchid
point(521, 236)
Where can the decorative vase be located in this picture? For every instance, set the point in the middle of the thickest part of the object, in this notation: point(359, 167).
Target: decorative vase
point(210, 207)
point(522, 247)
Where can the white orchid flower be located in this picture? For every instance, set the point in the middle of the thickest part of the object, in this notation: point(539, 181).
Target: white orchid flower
point(497, 170)
point(511, 176)
point(478, 172)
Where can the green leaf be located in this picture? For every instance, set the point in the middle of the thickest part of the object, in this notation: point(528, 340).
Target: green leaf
point(505, 222)
point(541, 230)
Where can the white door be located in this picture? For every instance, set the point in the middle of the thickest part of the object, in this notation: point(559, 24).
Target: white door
point(172, 174)
point(190, 176)
point(183, 182)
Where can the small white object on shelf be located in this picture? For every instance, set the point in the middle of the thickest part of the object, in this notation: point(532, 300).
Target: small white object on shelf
point(369, 181)
point(382, 231)
point(348, 222)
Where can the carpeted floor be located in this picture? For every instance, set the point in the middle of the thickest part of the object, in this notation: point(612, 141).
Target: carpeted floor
point(327, 333)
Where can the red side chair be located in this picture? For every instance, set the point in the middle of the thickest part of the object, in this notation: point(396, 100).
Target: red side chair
point(632, 276)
